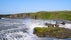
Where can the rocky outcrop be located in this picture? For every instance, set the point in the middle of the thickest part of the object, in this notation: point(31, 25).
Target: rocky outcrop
point(18, 15)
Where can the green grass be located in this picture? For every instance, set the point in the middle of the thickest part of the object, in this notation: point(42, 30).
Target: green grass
point(65, 15)
point(56, 32)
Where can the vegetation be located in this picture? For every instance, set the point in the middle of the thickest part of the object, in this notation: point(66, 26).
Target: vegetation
point(3, 15)
point(56, 32)
point(65, 15)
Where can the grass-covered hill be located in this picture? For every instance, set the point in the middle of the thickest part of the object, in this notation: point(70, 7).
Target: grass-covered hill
point(53, 15)
point(66, 15)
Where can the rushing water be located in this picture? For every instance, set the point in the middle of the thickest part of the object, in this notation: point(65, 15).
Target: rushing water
point(22, 29)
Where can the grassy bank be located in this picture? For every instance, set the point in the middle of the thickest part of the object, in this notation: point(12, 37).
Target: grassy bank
point(56, 32)
point(65, 15)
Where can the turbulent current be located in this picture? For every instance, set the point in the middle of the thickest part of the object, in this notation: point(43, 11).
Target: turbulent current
point(16, 29)
point(21, 29)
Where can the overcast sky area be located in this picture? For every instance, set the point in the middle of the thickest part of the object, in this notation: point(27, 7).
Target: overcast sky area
point(22, 6)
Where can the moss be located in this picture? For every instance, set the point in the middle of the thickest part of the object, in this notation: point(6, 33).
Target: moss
point(53, 32)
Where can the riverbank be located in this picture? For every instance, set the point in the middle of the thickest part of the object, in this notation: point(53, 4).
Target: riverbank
point(56, 32)
point(50, 15)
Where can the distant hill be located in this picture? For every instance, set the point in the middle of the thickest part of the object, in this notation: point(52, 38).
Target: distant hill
point(65, 15)
point(3, 15)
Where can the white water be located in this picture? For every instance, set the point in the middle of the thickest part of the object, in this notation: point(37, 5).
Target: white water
point(21, 29)
point(66, 25)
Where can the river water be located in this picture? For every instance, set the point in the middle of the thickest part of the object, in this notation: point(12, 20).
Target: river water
point(22, 29)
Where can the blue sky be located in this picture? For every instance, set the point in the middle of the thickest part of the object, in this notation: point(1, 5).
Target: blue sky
point(20, 6)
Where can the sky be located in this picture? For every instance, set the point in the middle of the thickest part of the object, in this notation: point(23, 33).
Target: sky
point(22, 6)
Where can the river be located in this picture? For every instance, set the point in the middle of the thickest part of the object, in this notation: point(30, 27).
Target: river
point(22, 29)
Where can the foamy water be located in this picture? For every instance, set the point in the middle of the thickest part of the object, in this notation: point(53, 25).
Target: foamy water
point(22, 29)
